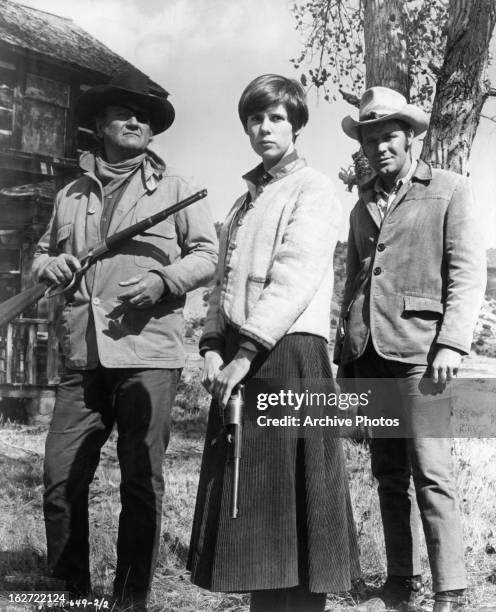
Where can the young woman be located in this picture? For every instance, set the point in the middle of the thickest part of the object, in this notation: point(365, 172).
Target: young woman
point(268, 318)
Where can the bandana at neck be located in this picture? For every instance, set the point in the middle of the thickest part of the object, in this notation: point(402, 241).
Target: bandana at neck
point(113, 175)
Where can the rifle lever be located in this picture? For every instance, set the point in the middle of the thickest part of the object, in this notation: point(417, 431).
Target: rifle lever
point(54, 291)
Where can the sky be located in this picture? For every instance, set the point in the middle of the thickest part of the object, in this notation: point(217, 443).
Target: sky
point(204, 52)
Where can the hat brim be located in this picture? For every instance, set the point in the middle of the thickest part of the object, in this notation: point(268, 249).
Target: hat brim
point(413, 115)
point(159, 110)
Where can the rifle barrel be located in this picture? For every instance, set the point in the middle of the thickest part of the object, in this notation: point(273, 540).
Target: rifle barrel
point(238, 434)
point(235, 490)
point(130, 232)
point(13, 307)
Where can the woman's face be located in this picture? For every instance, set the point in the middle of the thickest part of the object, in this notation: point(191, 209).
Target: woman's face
point(271, 134)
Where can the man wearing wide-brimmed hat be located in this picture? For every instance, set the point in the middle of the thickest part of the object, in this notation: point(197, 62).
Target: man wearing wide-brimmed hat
point(120, 330)
point(415, 282)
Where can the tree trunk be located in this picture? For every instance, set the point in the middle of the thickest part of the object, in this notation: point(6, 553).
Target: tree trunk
point(386, 60)
point(462, 86)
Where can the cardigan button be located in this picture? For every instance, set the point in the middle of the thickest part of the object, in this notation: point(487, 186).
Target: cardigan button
point(377, 271)
point(381, 246)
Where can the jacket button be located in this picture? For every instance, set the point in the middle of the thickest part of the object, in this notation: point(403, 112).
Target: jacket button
point(377, 271)
point(96, 301)
point(381, 246)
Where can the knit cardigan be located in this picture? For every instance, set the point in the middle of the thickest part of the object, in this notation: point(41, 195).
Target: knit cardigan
point(275, 273)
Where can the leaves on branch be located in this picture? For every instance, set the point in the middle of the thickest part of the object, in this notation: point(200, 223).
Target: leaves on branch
point(332, 55)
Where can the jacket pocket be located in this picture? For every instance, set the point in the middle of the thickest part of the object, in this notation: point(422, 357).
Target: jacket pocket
point(63, 234)
point(157, 245)
point(254, 287)
point(415, 303)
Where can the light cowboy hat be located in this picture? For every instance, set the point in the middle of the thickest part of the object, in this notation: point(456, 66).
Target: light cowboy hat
point(382, 104)
point(129, 88)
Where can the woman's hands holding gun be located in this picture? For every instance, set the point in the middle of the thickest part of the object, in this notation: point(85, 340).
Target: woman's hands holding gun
point(227, 377)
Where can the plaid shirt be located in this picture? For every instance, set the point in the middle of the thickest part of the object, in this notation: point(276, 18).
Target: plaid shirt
point(385, 199)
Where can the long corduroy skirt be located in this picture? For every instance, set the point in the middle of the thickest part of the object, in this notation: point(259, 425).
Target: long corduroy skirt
point(295, 524)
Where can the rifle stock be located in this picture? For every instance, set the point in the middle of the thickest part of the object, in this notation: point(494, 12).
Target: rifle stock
point(13, 307)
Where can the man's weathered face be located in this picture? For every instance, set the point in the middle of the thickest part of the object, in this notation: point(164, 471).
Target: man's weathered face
point(126, 132)
point(387, 147)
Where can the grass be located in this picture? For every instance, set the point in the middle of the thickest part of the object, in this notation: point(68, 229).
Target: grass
point(22, 540)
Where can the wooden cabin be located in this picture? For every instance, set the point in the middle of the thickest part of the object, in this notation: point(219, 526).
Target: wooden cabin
point(46, 62)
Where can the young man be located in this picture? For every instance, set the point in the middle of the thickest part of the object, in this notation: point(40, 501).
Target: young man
point(120, 331)
point(415, 281)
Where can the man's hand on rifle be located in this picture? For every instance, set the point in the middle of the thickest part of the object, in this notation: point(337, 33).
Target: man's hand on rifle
point(61, 269)
point(212, 365)
point(144, 290)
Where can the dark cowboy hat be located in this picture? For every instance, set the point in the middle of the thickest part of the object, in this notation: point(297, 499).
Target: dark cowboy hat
point(130, 88)
point(382, 104)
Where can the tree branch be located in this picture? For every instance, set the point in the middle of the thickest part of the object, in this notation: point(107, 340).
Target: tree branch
point(435, 69)
point(351, 98)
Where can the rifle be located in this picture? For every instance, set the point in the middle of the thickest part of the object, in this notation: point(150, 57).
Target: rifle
point(232, 418)
point(12, 307)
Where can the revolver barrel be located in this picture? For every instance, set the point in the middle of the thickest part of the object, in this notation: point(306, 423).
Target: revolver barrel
point(232, 417)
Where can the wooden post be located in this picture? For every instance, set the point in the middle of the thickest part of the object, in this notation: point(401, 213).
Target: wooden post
point(31, 354)
point(52, 356)
point(9, 354)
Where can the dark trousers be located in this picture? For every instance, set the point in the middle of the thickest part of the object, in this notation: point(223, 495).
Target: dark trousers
point(415, 471)
point(87, 406)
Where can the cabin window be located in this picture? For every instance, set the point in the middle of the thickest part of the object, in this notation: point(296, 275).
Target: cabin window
point(45, 107)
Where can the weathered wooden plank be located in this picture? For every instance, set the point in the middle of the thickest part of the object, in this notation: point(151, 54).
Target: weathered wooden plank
point(18, 110)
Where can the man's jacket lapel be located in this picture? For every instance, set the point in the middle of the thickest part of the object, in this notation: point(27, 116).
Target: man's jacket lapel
point(368, 198)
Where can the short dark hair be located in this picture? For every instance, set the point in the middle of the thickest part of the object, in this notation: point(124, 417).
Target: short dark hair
point(270, 89)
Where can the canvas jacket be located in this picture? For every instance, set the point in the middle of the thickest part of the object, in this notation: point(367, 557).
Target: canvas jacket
point(275, 264)
point(417, 280)
point(93, 325)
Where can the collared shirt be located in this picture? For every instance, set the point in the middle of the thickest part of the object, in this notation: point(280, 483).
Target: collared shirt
point(383, 198)
point(259, 178)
